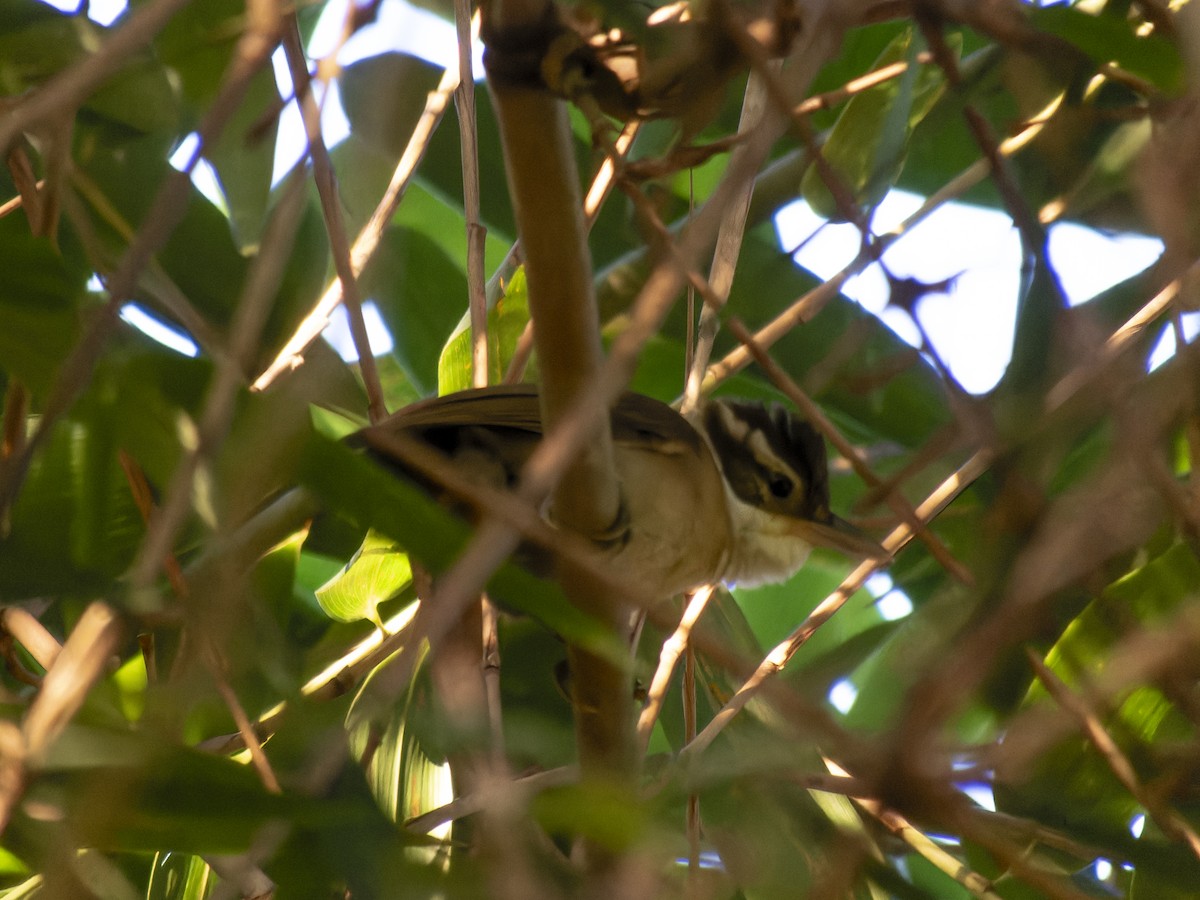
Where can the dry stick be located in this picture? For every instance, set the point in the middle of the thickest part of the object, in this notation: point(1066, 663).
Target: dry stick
point(725, 254)
point(245, 728)
point(668, 658)
point(30, 634)
point(689, 734)
point(786, 649)
point(1172, 824)
point(82, 662)
point(851, 453)
point(168, 207)
point(367, 242)
point(835, 97)
point(1078, 379)
point(920, 842)
point(947, 863)
point(331, 210)
point(815, 300)
point(335, 680)
point(11, 206)
point(470, 804)
point(464, 101)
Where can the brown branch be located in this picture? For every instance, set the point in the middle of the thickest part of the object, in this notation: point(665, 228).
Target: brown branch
point(464, 102)
point(544, 185)
point(331, 208)
point(725, 254)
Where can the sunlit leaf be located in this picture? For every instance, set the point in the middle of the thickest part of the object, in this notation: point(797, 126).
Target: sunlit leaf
point(378, 571)
point(506, 323)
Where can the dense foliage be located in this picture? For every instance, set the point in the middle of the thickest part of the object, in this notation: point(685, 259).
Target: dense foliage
point(214, 676)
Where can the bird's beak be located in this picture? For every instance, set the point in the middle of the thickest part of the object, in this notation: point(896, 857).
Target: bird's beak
point(838, 534)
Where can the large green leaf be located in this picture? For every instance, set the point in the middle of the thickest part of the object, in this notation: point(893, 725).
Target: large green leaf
point(868, 144)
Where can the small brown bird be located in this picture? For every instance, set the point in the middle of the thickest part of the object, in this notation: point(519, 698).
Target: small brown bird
point(739, 493)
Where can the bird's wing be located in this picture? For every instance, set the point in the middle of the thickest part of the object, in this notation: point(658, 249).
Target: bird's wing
point(636, 418)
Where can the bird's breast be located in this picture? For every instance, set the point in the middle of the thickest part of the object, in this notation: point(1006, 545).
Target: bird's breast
point(679, 536)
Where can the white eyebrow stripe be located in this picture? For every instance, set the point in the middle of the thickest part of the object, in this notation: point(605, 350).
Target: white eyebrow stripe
point(736, 428)
point(763, 453)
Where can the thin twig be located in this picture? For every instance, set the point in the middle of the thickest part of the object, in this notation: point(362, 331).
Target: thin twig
point(726, 252)
point(331, 209)
point(464, 102)
point(244, 726)
point(668, 658)
point(470, 804)
point(921, 842)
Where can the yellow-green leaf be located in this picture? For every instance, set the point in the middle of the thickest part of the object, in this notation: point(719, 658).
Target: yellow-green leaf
point(377, 572)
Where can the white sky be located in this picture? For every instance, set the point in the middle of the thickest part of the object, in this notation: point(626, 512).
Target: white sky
point(971, 326)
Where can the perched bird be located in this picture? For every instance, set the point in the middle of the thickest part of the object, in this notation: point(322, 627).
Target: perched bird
point(738, 493)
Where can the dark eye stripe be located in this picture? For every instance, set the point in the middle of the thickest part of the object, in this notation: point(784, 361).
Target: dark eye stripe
point(767, 442)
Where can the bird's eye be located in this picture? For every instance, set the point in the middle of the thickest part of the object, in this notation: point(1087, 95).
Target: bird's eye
point(780, 486)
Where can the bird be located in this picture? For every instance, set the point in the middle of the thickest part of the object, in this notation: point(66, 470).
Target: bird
point(737, 492)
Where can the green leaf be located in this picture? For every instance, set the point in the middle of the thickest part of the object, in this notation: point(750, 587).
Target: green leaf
point(1109, 37)
point(506, 323)
point(244, 159)
point(378, 571)
point(198, 44)
point(40, 295)
point(384, 96)
point(421, 293)
point(179, 876)
point(867, 147)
